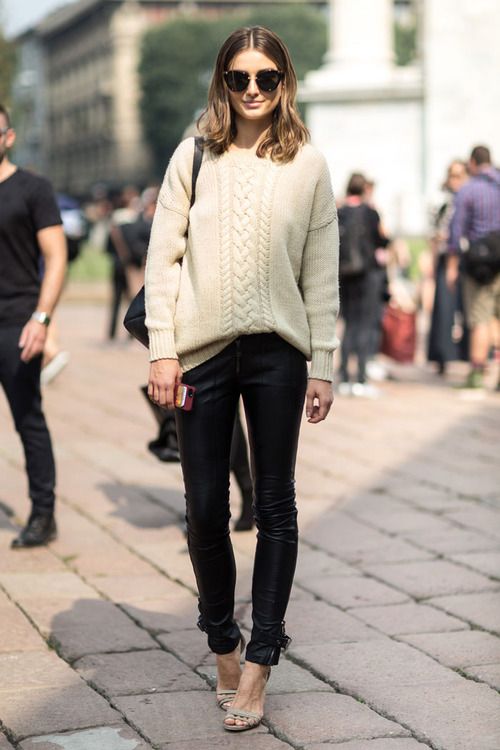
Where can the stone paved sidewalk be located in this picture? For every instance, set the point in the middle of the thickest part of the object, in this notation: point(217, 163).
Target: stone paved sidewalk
point(395, 612)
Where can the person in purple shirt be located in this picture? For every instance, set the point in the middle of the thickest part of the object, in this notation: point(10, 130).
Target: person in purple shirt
point(476, 214)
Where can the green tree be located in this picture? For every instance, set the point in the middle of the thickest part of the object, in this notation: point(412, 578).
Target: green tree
point(405, 43)
point(303, 29)
point(7, 59)
point(178, 57)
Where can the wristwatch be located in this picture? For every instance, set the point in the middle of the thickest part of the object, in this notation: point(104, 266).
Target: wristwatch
point(41, 317)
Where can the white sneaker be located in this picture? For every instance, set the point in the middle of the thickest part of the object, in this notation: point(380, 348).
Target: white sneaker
point(344, 388)
point(364, 390)
point(376, 371)
point(54, 367)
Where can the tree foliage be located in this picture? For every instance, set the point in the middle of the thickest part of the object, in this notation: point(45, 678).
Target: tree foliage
point(7, 60)
point(405, 43)
point(178, 57)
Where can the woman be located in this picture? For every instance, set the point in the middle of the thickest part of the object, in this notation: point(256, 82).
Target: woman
point(235, 307)
point(448, 340)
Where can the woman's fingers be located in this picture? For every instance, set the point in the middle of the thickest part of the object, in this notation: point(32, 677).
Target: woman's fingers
point(319, 399)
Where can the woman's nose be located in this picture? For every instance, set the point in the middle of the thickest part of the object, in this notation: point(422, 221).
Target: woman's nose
point(253, 89)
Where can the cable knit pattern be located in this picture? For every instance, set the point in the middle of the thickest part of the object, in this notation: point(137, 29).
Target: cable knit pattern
point(266, 206)
point(261, 255)
point(225, 211)
point(246, 312)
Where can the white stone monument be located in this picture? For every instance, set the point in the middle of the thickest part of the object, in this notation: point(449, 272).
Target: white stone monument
point(402, 125)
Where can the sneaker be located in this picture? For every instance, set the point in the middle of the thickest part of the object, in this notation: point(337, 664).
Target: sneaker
point(376, 371)
point(344, 388)
point(54, 367)
point(474, 379)
point(365, 390)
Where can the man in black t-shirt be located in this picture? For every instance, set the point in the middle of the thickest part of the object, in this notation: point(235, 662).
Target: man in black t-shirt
point(30, 230)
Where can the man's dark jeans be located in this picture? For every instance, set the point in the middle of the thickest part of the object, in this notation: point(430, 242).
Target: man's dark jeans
point(21, 383)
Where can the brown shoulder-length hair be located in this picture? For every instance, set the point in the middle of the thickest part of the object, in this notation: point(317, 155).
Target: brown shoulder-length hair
point(287, 133)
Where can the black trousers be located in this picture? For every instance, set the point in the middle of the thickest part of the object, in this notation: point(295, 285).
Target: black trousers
point(271, 377)
point(359, 307)
point(21, 383)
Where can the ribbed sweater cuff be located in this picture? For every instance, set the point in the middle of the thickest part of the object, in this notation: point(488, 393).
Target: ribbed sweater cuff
point(321, 365)
point(161, 345)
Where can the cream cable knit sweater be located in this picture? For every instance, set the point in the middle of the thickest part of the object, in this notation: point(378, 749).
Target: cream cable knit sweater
point(261, 256)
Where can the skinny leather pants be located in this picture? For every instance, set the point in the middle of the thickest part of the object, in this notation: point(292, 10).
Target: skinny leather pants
point(271, 377)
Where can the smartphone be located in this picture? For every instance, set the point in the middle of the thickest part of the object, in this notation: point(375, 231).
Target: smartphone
point(184, 396)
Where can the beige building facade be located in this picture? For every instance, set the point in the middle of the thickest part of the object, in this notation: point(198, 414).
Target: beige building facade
point(91, 117)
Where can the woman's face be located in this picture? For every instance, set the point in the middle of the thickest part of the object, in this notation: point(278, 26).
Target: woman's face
point(252, 103)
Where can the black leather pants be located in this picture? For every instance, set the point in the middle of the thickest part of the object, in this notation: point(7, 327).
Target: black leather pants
point(271, 377)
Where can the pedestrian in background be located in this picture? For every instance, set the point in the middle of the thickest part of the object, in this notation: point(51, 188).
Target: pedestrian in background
point(476, 219)
point(444, 345)
point(236, 306)
point(30, 230)
point(127, 209)
point(361, 292)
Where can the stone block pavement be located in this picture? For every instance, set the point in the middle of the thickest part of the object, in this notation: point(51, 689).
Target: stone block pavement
point(395, 611)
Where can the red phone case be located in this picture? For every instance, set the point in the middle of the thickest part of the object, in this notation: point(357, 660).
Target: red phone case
point(184, 396)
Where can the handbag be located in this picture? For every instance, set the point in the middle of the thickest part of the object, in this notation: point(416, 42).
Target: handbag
point(482, 258)
point(135, 317)
point(399, 334)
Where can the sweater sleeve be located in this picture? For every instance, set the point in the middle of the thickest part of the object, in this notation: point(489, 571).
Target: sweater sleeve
point(319, 277)
point(167, 246)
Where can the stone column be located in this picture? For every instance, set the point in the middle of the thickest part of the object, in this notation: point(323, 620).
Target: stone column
point(361, 37)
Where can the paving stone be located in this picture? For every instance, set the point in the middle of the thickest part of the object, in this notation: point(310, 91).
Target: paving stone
point(138, 672)
point(353, 591)
point(489, 673)
point(479, 609)
point(18, 634)
point(432, 701)
point(94, 626)
point(315, 562)
point(376, 663)
point(354, 542)
point(486, 520)
point(400, 743)
point(135, 588)
point(393, 517)
point(410, 617)
point(319, 622)
point(485, 562)
point(175, 717)
point(65, 585)
point(458, 540)
point(32, 670)
point(286, 678)
point(431, 578)
point(164, 615)
point(468, 648)
point(36, 560)
point(242, 741)
point(319, 717)
point(189, 645)
point(99, 738)
point(34, 712)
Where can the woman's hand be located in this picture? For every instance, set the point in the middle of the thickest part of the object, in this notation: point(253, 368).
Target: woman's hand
point(163, 376)
point(319, 398)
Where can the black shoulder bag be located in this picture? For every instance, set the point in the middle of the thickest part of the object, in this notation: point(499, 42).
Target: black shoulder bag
point(135, 316)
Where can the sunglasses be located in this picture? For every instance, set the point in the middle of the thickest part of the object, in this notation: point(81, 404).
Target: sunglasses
point(267, 80)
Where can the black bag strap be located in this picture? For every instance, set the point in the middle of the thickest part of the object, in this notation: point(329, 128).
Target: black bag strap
point(197, 159)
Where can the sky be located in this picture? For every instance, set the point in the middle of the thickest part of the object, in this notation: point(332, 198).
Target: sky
point(18, 15)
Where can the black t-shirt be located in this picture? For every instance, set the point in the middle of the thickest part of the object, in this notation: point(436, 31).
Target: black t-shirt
point(27, 205)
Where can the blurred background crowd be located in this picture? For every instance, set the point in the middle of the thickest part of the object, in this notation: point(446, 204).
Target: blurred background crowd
point(101, 93)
